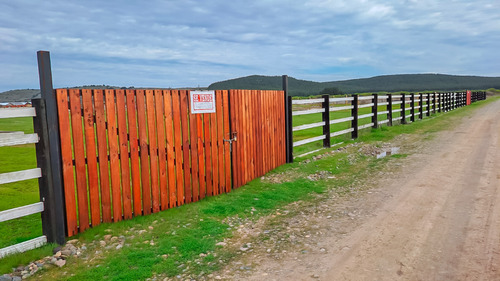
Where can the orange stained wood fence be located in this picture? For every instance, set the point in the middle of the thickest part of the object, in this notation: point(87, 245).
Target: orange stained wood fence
point(134, 152)
point(258, 119)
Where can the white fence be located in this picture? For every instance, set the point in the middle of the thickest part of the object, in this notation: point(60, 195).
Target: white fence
point(11, 139)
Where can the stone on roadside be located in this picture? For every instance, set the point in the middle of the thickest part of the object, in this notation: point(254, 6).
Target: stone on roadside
point(60, 263)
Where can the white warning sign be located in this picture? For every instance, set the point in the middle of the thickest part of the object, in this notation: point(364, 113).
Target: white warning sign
point(202, 102)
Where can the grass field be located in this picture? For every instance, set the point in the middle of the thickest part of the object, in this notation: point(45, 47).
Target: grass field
point(185, 232)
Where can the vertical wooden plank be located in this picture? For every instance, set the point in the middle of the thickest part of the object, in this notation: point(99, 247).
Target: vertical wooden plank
point(281, 126)
point(153, 150)
point(167, 99)
point(261, 132)
point(208, 153)
point(176, 111)
point(245, 136)
point(251, 135)
point(273, 129)
point(241, 136)
point(79, 152)
point(67, 162)
point(201, 156)
point(258, 149)
point(144, 154)
point(213, 141)
point(124, 153)
point(227, 135)
point(185, 146)
point(102, 147)
point(90, 145)
point(269, 122)
point(193, 127)
point(248, 135)
point(162, 155)
point(234, 129)
point(220, 142)
point(134, 152)
point(264, 136)
point(114, 160)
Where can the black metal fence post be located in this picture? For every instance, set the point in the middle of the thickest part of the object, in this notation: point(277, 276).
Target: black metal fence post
point(375, 111)
point(354, 114)
point(412, 111)
point(49, 154)
point(440, 102)
point(326, 119)
point(421, 108)
point(403, 109)
point(434, 103)
point(288, 121)
point(389, 109)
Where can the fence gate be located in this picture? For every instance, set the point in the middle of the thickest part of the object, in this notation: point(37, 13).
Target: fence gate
point(258, 123)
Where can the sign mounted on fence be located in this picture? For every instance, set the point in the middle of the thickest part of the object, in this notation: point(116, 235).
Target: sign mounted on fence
point(202, 102)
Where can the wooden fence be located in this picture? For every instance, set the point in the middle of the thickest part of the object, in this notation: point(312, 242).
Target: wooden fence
point(134, 152)
point(258, 117)
point(361, 112)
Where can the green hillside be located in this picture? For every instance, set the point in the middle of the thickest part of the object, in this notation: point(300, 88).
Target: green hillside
point(387, 83)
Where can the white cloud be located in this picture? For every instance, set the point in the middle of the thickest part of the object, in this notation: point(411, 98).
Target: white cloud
point(183, 42)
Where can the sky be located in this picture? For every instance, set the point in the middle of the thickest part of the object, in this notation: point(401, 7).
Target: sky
point(195, 43)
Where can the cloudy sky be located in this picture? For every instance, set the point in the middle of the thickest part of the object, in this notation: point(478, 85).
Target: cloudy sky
point(194, 43)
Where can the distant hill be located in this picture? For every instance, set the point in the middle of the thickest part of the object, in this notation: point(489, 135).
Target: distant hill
point(386, 83)
point(19, 95)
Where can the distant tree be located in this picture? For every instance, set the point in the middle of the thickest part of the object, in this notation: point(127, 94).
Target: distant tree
point(331, 91)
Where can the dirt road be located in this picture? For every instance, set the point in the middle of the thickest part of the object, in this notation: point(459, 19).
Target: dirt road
point(437, 218)
point(445, 222)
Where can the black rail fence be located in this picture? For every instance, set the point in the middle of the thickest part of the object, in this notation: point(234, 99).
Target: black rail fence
point(350, 114)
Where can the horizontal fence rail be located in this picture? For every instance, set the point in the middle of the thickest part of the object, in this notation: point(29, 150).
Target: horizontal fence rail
point(12, 139)
point(348, 115)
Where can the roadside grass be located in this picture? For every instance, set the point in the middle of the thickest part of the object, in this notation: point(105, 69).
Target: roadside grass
point(185, 232)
